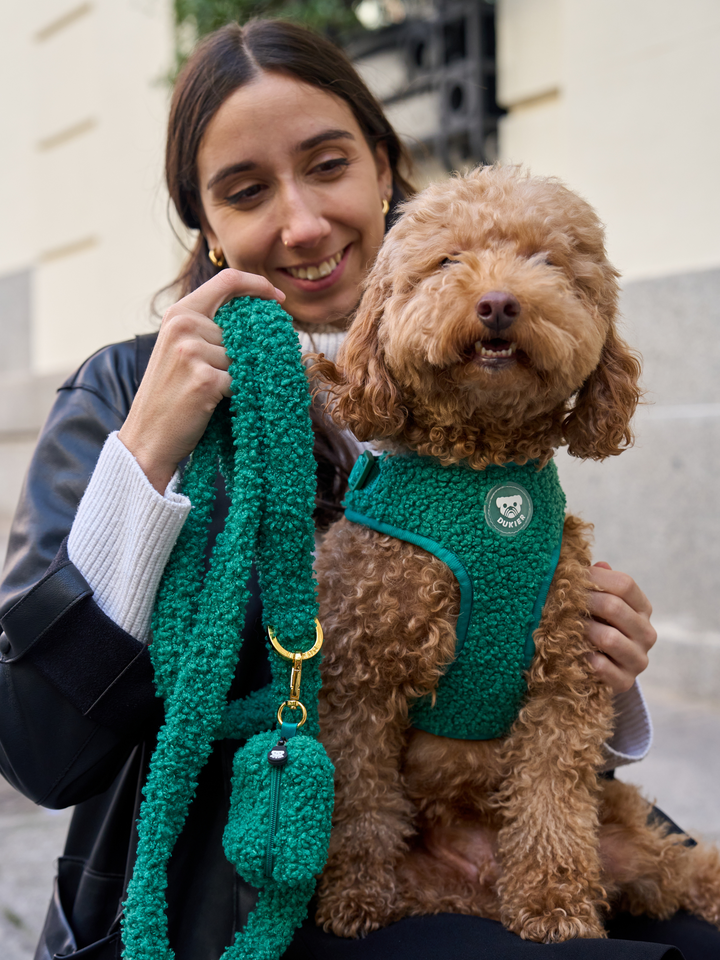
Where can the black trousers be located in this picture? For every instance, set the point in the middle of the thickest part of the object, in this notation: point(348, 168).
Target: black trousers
point(452, 937)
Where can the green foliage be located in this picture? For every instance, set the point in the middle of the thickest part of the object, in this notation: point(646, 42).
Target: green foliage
point(331, 17)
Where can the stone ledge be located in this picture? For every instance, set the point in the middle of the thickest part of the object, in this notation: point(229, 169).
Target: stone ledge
point(25, 400)
point(686, 662)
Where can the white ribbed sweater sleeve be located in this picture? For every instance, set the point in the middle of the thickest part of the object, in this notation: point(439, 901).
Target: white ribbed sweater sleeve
point(122, 537)
point(633, 734)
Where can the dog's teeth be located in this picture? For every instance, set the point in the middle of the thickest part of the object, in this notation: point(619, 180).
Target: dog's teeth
point(484, 352)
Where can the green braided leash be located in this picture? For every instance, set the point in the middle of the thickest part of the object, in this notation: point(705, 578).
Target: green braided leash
point(279, 823)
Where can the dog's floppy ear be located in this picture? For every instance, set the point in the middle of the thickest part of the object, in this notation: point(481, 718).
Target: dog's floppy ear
point(598, 426)
point(363, 394)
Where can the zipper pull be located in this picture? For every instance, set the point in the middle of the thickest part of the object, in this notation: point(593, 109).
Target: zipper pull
point(278, 756)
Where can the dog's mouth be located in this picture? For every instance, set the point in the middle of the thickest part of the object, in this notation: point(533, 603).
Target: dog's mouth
point(495, 353)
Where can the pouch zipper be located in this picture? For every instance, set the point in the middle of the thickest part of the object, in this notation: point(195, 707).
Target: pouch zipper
point(277, 759)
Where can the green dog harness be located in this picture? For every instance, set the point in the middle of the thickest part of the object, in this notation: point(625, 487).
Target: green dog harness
point(499, 530)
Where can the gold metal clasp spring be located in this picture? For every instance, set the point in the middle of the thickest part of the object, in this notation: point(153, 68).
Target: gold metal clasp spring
point(293, 703)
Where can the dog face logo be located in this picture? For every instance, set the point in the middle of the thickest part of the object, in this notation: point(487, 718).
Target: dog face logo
point(508, 509)
point(509, 506)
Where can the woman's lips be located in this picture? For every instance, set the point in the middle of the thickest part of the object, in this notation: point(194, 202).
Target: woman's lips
point(321, 283)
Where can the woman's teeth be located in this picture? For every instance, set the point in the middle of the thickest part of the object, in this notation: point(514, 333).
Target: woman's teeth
point(495, 351)
point(316, 273)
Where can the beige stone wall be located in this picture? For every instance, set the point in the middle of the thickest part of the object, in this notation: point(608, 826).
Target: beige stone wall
point(85, 240)
point(84, 106)
point(620, 99)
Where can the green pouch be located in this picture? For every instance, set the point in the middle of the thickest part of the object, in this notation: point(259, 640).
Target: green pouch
point(281, 808)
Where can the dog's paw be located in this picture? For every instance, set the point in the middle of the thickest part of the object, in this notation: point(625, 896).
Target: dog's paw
point(352, 913)
point(558, 926)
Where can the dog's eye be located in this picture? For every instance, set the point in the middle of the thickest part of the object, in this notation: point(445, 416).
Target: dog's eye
point(447, 261)
point(542, 258)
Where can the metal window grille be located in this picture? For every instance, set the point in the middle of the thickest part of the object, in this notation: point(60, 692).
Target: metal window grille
point(448, 57)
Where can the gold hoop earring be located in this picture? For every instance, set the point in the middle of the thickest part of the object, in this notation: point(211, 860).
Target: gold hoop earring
point(216, 258)
point(385, 206)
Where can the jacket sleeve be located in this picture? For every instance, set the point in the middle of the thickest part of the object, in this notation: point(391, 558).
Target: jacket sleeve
point(76, 691)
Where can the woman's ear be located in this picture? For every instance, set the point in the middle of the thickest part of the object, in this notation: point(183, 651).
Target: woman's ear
point(210, 239)
point(362, 392)
point(384, 170)
point(598, 426)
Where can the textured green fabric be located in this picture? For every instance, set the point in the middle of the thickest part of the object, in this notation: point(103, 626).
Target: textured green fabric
point(262, 441)
point(306, 804)
point(503, 576)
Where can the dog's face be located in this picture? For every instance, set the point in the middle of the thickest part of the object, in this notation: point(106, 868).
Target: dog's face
point(500, 286)
point(491, 302)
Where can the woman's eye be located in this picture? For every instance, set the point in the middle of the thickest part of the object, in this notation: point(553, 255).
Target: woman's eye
point(247, 193)
point(331, 166)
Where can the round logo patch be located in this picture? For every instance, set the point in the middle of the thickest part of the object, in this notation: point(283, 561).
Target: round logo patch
point(508, 509)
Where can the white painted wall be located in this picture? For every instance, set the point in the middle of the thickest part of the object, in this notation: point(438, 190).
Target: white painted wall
point(621, 99)
point(83, 209)
point(83, 107)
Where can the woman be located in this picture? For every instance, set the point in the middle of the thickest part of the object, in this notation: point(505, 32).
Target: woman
point(284, 162)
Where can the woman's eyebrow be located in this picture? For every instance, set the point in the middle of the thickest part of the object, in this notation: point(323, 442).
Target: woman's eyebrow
point(322, 137)
point(234, 168)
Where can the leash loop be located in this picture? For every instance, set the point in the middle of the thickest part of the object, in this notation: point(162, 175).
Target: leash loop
point(308, 654)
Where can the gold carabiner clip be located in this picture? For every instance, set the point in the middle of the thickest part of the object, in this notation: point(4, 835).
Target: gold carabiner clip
point(293, 703)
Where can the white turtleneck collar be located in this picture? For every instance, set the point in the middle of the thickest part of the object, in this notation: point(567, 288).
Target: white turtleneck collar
point(320, 338)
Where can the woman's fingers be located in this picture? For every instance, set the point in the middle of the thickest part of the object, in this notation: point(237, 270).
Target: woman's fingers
point(621, 585)
point(186, 377)
point(617, 660)
point(225, 285)
point(620, 627)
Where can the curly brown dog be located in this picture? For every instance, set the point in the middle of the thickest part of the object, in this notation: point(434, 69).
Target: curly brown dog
point(486, 334)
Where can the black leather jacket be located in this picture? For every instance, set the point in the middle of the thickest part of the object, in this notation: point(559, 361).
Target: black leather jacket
point(78, 712)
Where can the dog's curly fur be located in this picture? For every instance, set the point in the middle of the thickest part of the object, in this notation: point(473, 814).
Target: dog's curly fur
point(543, 844)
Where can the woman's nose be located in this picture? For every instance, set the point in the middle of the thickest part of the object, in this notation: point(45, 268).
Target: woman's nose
point(305, 226)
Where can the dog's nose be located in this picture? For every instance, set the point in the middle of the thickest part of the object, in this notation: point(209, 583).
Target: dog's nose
point(498, 310)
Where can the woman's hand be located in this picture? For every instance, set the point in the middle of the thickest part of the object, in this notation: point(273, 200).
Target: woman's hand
point(620, 627)
point(187, 376)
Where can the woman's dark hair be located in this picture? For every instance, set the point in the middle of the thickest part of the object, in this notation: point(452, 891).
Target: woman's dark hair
point(232, 57)
point(220, 64)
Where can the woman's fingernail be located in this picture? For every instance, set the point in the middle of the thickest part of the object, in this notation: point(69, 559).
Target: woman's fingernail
point(279, 294)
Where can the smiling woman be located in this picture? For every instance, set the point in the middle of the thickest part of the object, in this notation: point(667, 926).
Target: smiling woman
point(291, 190)
point(285, 165)
point(235, 58)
